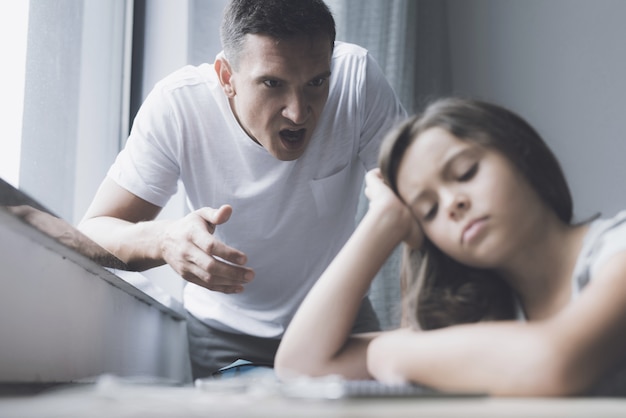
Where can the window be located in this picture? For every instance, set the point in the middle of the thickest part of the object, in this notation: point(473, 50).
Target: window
point(13, 30)
point(67, 93)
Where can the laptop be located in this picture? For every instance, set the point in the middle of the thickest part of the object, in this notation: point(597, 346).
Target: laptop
point(243, 376)
point(334, 387)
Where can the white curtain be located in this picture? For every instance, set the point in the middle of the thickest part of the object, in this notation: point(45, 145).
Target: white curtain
point(408, 39)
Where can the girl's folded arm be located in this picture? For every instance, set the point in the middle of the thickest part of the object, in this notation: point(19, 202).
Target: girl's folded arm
point(318, 340)
point(563, 355)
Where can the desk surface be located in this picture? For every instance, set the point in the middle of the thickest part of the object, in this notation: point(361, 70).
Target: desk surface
point(111, 398)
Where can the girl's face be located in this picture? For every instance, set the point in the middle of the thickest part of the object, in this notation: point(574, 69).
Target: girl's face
point(471, 202)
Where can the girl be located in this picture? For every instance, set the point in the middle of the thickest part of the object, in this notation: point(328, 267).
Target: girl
point(510, 297)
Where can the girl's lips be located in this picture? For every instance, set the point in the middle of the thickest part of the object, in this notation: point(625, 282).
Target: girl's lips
point(472, 230)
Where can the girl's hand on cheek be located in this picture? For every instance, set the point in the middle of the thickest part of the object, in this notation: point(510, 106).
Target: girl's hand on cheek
point(386, 205)
point(380, 195)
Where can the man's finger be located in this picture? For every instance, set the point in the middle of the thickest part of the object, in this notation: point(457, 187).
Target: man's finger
point(214, 268)
point(232, 288)
point(212, 247)
point(215, 216)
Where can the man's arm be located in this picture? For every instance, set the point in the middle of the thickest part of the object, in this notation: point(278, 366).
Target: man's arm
point(125, 225)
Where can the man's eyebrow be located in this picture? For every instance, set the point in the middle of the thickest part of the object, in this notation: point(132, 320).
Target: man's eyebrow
point(445, 168)
point(325, 74)
point(263, 77)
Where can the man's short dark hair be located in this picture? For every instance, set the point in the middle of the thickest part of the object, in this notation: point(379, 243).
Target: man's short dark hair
point(280, 19)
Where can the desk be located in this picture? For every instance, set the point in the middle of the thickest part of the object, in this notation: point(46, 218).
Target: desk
point(111, 398)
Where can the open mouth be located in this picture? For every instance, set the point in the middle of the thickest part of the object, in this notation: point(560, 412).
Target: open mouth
point(293, 137)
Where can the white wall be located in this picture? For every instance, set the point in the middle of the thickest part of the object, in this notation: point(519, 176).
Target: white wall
point(561, 64)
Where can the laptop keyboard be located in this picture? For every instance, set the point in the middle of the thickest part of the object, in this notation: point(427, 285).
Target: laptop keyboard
point(373, 389)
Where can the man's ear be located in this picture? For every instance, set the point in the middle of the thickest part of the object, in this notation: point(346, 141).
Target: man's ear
point(224, 74)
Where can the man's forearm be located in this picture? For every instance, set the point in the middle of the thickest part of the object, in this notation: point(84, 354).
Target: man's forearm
point(136, 244)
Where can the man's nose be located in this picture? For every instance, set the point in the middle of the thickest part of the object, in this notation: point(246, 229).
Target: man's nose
point(297, 108)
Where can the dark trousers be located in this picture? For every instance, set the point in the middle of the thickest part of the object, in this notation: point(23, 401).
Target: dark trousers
point(211, 349)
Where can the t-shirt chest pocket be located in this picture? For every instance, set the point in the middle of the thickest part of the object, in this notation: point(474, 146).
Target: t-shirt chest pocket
point(330, 193)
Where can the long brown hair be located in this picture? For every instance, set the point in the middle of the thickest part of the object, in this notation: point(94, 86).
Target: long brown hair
point(439, 291)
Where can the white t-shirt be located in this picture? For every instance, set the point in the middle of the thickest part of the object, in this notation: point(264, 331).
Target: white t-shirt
point(289, 217)
point(604, 239)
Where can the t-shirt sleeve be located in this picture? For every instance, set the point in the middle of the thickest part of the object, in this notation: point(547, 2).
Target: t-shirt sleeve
point(382, 111)
point(148, 165)
point(612, 242)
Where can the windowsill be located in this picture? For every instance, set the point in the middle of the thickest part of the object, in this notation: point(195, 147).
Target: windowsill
point(131, 282)
point(65, 318)
point(29, 218)
point(149, 292)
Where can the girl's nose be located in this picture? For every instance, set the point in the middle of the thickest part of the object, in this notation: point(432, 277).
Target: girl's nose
point(458, 206)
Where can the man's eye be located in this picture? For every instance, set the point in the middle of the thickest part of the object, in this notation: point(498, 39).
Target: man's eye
point(469, 173)
point(317, 82)
point(271, 83)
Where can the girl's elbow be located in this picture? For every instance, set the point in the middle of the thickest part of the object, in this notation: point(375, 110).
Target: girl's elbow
point(554, 383)
point(549, 373)
point(381, 365)
point(562, 378)
point(288, 366)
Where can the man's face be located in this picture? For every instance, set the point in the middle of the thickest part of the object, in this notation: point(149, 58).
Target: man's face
point(278, 90)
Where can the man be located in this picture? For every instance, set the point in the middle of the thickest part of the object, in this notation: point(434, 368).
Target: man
point(271, 143)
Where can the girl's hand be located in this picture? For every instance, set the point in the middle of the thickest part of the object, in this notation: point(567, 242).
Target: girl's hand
point(384, 202)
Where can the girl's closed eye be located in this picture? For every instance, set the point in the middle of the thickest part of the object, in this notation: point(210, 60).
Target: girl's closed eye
point(469, 173)
point(430, 213)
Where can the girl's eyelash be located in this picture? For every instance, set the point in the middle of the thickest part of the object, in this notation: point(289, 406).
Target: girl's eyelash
point(431, 213)
point(469, 173)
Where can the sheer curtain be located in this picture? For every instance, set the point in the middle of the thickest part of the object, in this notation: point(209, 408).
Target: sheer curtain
point(409, 40)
